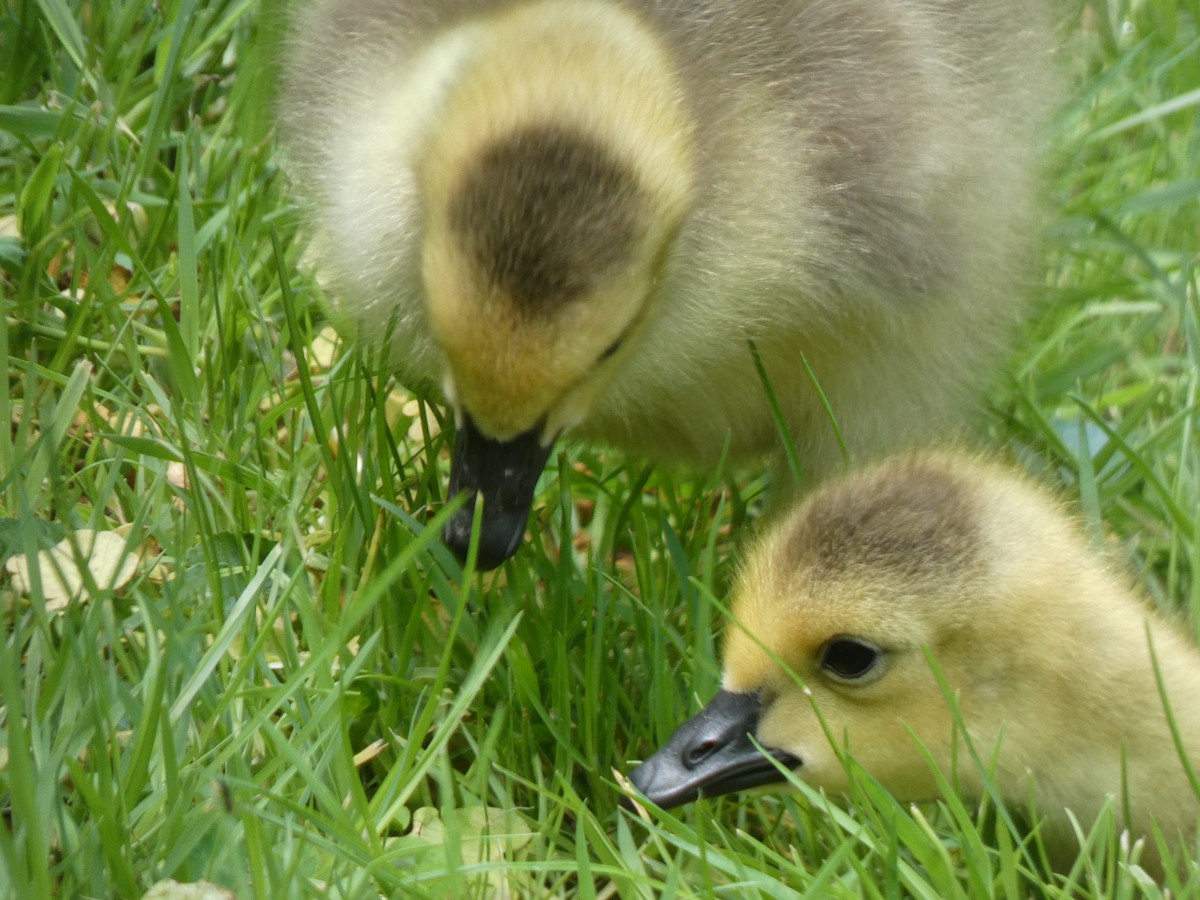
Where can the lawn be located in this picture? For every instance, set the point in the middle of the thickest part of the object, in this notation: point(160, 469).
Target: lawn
point(294, 690)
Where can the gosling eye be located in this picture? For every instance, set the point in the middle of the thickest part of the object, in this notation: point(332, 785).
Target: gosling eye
point(612, 348)
point(850, 659)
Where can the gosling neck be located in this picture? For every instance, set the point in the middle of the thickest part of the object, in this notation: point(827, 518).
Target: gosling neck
point(1111, 741)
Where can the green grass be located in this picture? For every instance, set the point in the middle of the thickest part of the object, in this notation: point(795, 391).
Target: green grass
point(298, 673)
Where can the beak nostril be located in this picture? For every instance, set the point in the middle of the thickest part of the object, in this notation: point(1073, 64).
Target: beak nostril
point(698, 753)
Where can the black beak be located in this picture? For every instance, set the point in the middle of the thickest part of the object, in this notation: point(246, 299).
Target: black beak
point(711, 754)
point(505, 473)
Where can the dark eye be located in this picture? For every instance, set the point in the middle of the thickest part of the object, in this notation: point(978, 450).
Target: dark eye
point(849, 658)
point(612, 348)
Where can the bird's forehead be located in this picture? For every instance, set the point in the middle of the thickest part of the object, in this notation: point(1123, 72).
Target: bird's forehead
point(776, 624)
point(768, 626)
point(883, 559)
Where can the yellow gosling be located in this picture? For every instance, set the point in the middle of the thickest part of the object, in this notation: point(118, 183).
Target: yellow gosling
point(574, 216)
point(1048, 654)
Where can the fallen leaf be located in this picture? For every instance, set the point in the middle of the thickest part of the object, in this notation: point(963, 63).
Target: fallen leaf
point(103, 554)
point(194, 890)
point(177, 475)
point(368, 753)
point(482, 834)
point(324, 350)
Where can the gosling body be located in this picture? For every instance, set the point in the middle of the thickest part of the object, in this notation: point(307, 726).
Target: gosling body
point(577, 215)
point(1049, 657)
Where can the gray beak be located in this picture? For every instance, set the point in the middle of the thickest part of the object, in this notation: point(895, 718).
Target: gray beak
point(505, 473)
point(712, 754)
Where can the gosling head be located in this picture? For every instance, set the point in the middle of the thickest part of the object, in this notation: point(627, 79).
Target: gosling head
point(840, 611)
point(554, 184)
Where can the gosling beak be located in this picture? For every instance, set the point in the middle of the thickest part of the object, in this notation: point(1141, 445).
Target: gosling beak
point(505, 473)
point(711, 754)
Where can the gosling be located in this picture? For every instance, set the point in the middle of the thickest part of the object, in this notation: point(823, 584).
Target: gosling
point(1050, 659)
point(579, 215)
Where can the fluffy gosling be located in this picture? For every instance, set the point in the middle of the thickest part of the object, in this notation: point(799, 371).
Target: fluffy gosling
point(1050, 658)
point(576, 215)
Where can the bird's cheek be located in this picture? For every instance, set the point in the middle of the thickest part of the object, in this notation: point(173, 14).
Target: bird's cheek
point(574, 407)
point(821, 767)
point(792, 724)
point(890, 752)
point(796, 730)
